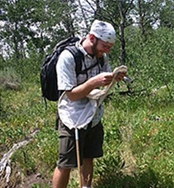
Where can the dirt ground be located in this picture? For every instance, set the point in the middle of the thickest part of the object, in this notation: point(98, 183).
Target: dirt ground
point(35, 179)
point(32, 181)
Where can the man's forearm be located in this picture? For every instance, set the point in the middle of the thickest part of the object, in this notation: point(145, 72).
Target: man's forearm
point(81, 90)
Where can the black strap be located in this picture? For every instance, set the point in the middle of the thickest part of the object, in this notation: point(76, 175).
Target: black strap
point(90, 67)
point(78, 57)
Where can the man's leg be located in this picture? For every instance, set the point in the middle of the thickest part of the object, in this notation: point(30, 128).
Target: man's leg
point(66, 157)
point(92, 149)
point(60, 177)
point(87, 172)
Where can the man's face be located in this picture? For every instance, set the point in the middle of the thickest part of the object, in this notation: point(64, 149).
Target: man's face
point(100, 47)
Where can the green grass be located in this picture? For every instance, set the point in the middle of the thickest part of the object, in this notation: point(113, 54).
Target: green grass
point(138, 143)
point(138, 140)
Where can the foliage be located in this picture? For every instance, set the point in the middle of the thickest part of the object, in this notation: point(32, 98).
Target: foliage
point(150, 60)
point(139, 143)
point(24, 111)
point(138, 138)
point(167, 15)
point(43, 23)
point(37, 22)
point(8, 77)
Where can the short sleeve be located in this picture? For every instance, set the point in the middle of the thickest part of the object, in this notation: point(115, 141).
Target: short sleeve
point(65, 69)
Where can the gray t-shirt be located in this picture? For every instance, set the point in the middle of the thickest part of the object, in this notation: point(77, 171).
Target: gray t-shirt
point(67, 80)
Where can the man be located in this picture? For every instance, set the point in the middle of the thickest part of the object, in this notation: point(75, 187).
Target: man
point(96, 44)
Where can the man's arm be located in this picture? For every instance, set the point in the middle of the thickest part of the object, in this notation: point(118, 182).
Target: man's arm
point(84, 89)
point(102, 79)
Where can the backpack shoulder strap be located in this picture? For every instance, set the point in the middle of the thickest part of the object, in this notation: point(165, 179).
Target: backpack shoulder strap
point(78, 57)
point(63, 43)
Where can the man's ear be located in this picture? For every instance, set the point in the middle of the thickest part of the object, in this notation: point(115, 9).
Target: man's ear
point(92, 38)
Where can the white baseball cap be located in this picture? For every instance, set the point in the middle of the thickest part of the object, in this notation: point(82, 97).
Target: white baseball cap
point(103, 30)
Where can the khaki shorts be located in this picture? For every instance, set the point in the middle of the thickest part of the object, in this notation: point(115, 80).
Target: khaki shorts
point(90, 144)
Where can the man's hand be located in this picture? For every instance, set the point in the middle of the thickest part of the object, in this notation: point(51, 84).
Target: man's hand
point(120, 73)
point(100, 80)
point(120, 76)
point(103, 79)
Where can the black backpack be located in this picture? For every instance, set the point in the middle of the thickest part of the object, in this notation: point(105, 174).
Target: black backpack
point(48, 75)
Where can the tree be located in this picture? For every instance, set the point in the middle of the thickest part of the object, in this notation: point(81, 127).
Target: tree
point(117, 12)
point(39, 22)
point(166, 16)
point(16, 16)
point(146, 14)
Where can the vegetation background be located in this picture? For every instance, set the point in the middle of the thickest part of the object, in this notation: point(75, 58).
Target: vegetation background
point(139, 117)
